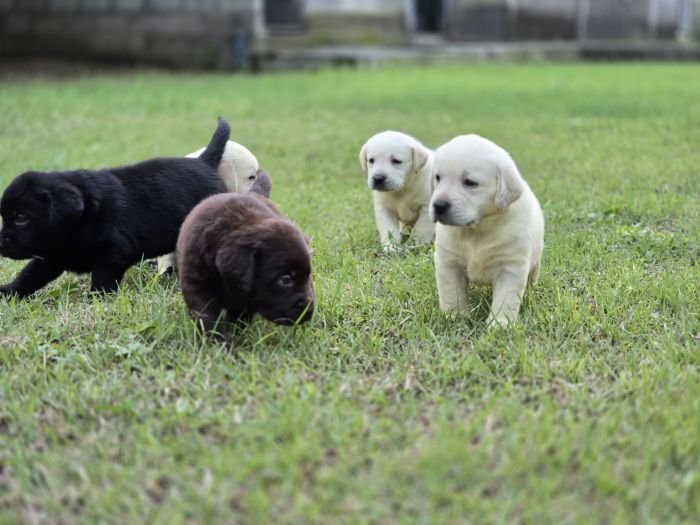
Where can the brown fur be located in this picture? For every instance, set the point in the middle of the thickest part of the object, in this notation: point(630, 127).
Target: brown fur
point(239, 256)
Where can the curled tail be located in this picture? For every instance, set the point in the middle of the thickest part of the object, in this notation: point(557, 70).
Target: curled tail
point(212, 154)
point(262, 185)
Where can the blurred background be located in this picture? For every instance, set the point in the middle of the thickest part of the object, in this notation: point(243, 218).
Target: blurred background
point(260, 34)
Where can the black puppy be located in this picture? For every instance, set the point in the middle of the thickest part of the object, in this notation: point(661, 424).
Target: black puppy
point(104, 221)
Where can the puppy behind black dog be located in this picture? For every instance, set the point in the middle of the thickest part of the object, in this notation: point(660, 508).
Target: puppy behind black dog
point(104, 221)
point(239, 256)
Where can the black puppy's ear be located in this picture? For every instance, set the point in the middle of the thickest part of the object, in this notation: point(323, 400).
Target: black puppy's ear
point(65, 203)
point(236, 266)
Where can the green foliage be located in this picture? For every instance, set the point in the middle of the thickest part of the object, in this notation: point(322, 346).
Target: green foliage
point(381, 410)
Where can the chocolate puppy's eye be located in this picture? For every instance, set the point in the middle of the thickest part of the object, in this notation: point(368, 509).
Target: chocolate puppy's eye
point(470, 183)
point(286, 281)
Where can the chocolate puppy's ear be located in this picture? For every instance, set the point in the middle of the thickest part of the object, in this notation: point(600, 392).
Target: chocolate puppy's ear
point(65, 203)
point(236, 266)
point(262, 184)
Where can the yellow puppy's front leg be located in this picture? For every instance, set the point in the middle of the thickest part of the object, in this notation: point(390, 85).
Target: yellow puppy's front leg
point(452, 284)
point(165, 263)
point(424, 229)
point(387, 225)
point(508, 289)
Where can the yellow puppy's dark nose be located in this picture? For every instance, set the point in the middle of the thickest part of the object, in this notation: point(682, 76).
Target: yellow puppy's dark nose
point(440, 207)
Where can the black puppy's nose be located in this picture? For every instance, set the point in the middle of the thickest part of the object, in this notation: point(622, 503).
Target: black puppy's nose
point(379, 178)
point(440, 207)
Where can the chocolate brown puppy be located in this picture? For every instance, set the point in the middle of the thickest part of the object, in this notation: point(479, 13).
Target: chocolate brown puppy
point(238, 256)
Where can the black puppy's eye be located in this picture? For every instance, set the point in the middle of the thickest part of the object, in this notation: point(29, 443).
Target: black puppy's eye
point(21, 219)
point(396, 162)
point(286, 281)
point(470, 183)
point(371, 161)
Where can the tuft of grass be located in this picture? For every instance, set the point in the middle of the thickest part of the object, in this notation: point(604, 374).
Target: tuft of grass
point(381, 410)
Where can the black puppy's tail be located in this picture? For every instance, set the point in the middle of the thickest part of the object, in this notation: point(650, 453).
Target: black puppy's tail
point(262, 185)
point(217, 144)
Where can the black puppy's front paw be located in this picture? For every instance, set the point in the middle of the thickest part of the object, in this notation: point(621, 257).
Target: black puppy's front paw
point(106, 280)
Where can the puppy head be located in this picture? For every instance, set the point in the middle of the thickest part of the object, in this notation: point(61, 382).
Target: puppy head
point(238, 167)
point(391, 159)
point(472, 178)
point(37, 210)
point(270, 264)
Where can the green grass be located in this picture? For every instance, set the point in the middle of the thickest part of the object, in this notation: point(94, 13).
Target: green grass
point(381, 410)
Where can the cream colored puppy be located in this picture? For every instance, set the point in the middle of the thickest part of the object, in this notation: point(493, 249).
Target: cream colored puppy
point(238, 168)
point(398, 169)
point(490, 227)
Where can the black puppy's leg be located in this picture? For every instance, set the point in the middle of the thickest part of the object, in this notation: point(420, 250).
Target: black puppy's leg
point(106, 278)
point(35, 275)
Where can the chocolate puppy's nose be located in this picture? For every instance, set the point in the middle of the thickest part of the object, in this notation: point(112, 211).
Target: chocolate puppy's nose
point(379, 178)
point(440, 207)
point(306, 307)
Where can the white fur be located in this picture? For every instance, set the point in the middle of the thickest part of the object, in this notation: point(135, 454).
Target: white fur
point(492, 233)
point(403, 199)
point(237, 169)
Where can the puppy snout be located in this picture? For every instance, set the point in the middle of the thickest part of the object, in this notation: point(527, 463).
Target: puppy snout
point(306, 308)
point(440, 207)
point(378, 179)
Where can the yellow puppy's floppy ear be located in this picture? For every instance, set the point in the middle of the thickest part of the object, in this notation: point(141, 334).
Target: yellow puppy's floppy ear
point(363, 158)
point(510, 185)
point(420, 157)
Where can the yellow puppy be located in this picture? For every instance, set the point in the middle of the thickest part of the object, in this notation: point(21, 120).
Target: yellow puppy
point(490, 227)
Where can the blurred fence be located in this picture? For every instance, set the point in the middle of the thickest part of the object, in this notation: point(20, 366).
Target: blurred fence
point(633, 19)
point(232, 34)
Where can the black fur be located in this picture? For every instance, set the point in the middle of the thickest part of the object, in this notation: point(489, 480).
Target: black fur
point(102, 222)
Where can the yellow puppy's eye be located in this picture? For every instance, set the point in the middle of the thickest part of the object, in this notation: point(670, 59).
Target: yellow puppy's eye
point(371, 161)
point(470, 183)
point(437, 178)
point(396, 162)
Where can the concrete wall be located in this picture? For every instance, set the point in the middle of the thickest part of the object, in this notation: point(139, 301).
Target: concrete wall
point(695, 19)
point(498, 20)
point(180, 33)
point(371, 22)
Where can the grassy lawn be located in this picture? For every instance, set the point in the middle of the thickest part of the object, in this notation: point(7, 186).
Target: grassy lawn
point(381, 410)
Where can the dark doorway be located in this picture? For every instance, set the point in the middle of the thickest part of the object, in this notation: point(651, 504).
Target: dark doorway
point(283, 13)
point(429, 15)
